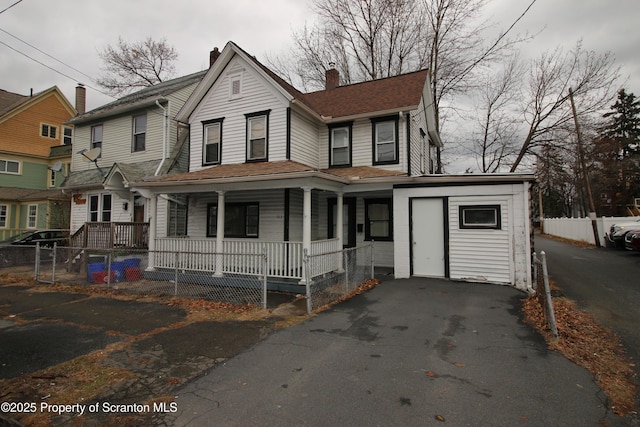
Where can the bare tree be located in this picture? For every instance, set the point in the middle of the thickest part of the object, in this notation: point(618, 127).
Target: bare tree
point(592, 77)
point(495, 142)
point(134, 65)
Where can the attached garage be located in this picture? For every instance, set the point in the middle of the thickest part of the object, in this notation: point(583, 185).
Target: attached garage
point(470, 228)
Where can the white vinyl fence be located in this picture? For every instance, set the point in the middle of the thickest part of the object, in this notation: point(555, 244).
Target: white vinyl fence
point(580, 229)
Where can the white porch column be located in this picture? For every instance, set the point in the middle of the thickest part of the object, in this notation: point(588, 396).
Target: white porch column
point(306, 227)
point(153, 230)
point(220, 234)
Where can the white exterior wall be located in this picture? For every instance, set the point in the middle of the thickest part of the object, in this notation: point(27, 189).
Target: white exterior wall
point(419, 144)
point(80, 211)
point(304, 140)
point(491, 255)
point(256, 96)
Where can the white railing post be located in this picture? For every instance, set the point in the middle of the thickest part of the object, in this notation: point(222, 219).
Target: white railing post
point(220, 234)
point(264, 276)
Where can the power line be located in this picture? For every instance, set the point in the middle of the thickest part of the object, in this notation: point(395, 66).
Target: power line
point(45, 53)
point(9, 7)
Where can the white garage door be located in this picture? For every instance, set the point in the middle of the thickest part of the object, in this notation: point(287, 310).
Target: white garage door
point(428, 237)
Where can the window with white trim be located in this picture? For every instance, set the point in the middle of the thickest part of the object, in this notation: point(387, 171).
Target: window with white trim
point(340, 145)
point(480, 217)
point(235, 86)
point(177, 215)
point(4, 211)
point(67, 135)
point(257, 136)
point(52, 178)
point(9, 166)
point(96, 136)
point(99, 207)
point(385, 140)
point(49, 131)
point(212, 142)
point(139, 133)
point(32, 216)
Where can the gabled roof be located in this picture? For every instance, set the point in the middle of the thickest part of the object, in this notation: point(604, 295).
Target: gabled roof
point(139, 99)
point(91, 178)
point(392, 94)
point(12, 103)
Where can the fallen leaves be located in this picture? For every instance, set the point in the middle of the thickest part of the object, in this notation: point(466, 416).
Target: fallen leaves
point(583, 341)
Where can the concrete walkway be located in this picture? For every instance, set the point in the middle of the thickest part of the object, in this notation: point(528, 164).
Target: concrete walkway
point(414, 352)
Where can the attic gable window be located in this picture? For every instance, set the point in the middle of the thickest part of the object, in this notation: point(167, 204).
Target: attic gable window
point(235, 86)
point(385, 140)
point(257, 136)
point(212, 147)
point(340, 144)
point(49, 131)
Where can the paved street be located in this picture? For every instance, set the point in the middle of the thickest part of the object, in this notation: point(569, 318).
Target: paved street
point(413, 352)
point(605, 282)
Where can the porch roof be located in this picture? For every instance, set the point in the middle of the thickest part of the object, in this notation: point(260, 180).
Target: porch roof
point(28, 194)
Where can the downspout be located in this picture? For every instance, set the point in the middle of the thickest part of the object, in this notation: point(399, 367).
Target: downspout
point(165, 119)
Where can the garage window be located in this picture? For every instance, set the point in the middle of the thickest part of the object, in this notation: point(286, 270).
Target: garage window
point(480, 217)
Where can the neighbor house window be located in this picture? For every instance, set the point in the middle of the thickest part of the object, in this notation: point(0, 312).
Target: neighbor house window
point(4, 209)
point(100, 207)
point(96, 136)
point(385, 140)
point(378, 219)
point(340, 145)
point(257, 136)
point(139, 133)
point(212, 142)
point(32, 216)
point(240, 220)
point(52, 178)
point(9, 166)
point(177, 215)
point(67, 135)
point(480, 217)
point(49, 131)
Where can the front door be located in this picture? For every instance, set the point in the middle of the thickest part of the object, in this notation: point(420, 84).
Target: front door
point(428, 237)
point(348, 220)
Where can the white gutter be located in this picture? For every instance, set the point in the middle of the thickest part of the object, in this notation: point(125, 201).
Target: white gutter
point(165, 119)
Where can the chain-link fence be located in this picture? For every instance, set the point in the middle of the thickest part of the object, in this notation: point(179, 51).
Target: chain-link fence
point(225, 277)
point(351, 267)
point(543, 290)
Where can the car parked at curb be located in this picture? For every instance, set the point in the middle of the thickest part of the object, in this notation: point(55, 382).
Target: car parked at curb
point(46, 238)
point(632, 240)
point(617, 232)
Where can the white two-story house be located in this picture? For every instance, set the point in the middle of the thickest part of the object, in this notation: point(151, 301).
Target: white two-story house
point(272, 167)
point(124, 141)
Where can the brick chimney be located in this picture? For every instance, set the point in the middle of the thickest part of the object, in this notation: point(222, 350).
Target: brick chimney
point(332, 77)
point(213, 55)
point(81, 98)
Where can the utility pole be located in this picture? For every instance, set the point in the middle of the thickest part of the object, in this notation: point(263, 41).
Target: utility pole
point(585, 176)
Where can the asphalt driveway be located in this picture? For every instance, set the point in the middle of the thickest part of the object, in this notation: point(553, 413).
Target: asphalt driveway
point(409, 352)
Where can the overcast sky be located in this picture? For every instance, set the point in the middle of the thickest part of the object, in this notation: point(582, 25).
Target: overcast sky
point(74, 31)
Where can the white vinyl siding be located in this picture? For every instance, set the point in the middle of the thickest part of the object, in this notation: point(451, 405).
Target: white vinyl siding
point(304, 139)
point(257, 95)
point(419, 121)
point(480, 254)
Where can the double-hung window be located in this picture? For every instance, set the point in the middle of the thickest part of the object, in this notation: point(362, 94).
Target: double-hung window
point(340, 145)
point(32, 216)
point(100, 207)
point(9, 166)
point(139, 133)
point(240, 219)
point(385, 140)
point(96, 136)
point(257, 136)
point(177, 215)
point(212, 142)
point(378, 219)
point(4, 211)
point(67, 135)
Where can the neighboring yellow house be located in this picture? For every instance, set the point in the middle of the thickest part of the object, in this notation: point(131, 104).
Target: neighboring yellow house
point(35, 154)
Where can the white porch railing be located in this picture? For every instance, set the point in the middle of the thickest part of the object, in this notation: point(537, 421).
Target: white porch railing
point(284, 259)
